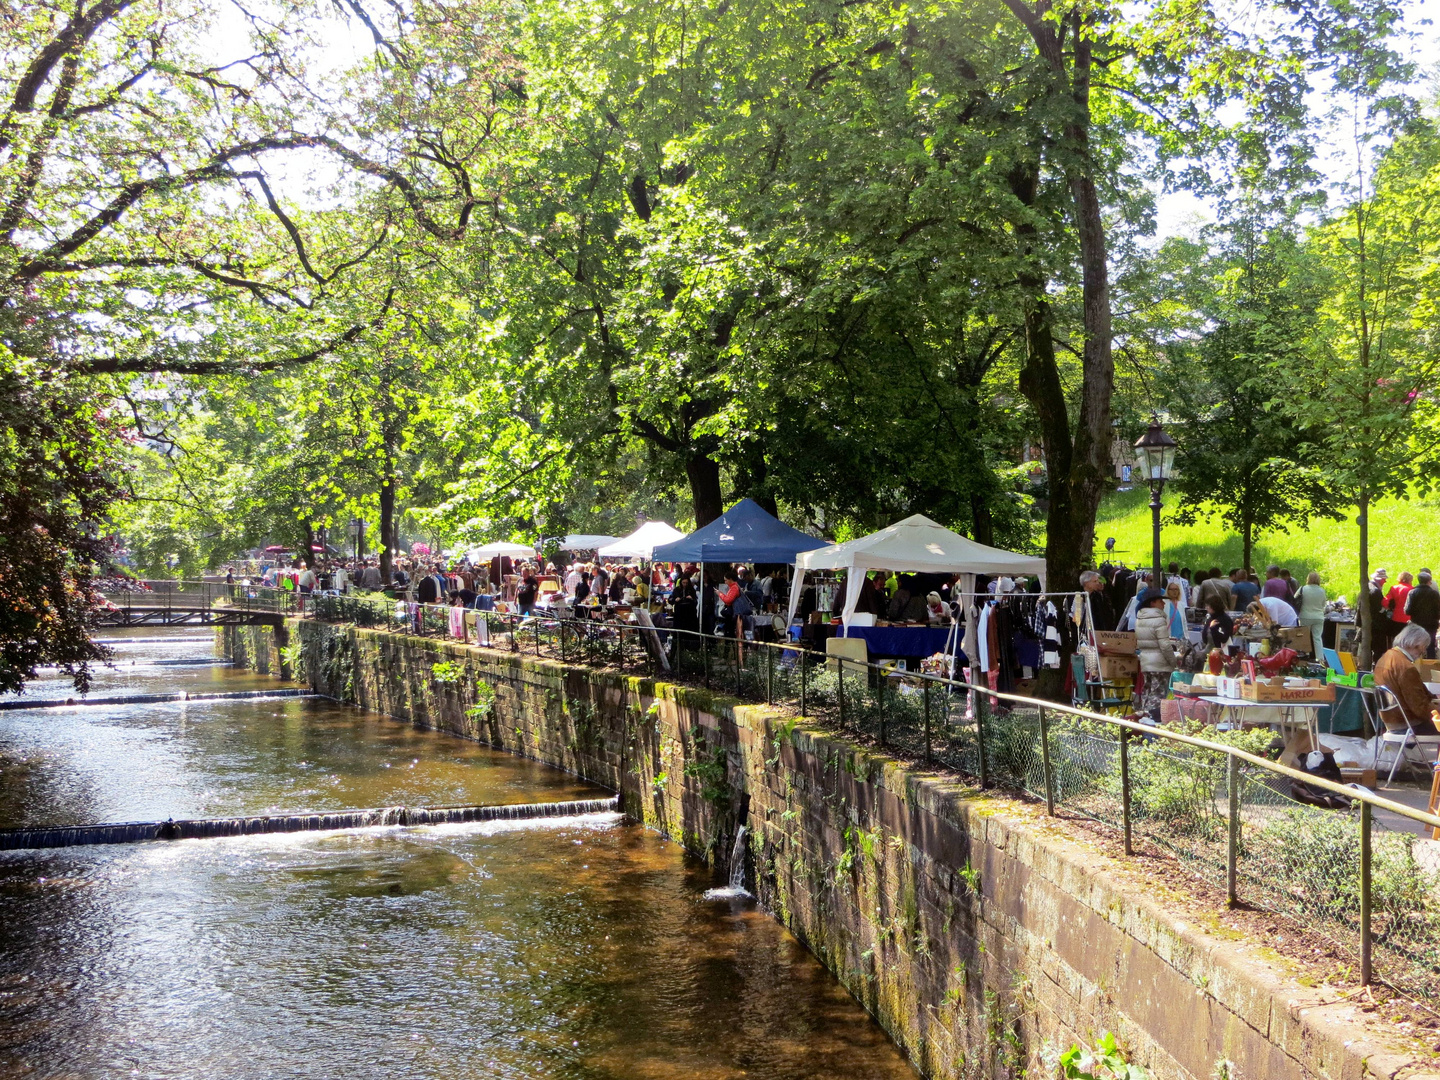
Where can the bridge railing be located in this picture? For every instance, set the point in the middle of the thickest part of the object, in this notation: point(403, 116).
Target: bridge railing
point(169, 595)
point(1350, 876)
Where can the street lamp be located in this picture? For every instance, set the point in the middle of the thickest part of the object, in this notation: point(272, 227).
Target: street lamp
point(1155, 457)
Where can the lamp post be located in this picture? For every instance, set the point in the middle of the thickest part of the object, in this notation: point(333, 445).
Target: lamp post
point(1155, 457)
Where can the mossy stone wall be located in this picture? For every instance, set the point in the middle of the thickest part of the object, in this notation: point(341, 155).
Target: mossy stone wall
point(978, 935)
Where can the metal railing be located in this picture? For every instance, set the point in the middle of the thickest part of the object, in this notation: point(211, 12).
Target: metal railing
point(1223, 810)
point(175, 595)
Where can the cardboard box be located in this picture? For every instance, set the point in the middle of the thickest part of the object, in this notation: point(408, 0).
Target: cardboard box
point(1298, 638)
point(1428, 669)
point(1119, 667)
point(1228, 687)
point(1275, 691)
point(1116, 643)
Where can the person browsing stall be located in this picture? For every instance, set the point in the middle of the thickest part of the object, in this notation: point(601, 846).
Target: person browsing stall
point(1423, 606)
point(1157, 650)
point(1219, 628)
point(1280, 612)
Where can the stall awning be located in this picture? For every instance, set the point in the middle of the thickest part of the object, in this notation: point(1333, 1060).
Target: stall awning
point(585, 541)
point(641, 543)
point(918, 545)
point(743, 534)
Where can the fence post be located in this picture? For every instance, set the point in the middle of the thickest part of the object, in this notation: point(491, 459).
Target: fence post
point(881, 698)
point(739, 656)
point(705, 657)
point(1232, 847)
point(1125, 787)
point(980, 708)
point(840, 688)
point(1366, 811)
point(769, 676)
point(803, 652)
point(1045, 761)
point(562, 641)
point(925, 684)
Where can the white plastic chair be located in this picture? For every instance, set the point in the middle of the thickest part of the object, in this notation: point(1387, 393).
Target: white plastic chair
point(1388, 700)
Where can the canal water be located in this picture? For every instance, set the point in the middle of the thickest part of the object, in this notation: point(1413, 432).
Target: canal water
point(571, 948)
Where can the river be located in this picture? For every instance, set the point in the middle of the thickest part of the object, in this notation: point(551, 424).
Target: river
point(571, 948)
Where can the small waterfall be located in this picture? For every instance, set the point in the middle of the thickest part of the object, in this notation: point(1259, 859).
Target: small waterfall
point(150, 699)
point(136, 832)
point(736, 888)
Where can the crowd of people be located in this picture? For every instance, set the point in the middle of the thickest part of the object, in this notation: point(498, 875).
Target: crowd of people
point(1405, 618)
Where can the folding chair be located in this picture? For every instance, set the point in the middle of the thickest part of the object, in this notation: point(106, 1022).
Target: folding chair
point(1387, 700)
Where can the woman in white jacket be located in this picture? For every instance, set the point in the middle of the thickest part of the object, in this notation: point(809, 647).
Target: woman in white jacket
point(1157, 650)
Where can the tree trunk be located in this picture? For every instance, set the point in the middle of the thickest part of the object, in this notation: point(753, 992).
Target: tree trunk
point(1067, 550)
point(1362, 602)
point(1247, 542)
point(982, 524)
point(705, 494)
point(309, 553)
point(387, 526)
point(1078, 481)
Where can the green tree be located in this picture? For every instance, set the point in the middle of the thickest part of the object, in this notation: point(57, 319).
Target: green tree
point(59, 472)
point(1369, 386)
point(1242, 454)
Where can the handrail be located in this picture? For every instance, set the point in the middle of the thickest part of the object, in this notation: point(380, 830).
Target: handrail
point(414, 620)
point(1355, 794)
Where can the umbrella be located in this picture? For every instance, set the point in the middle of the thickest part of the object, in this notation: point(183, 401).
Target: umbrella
point(504, 547)
point(277, 548)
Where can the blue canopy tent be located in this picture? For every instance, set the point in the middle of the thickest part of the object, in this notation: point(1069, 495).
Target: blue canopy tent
point(743, 534)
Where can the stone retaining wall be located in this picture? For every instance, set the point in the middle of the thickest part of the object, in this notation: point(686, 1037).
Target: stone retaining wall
point(972, 929)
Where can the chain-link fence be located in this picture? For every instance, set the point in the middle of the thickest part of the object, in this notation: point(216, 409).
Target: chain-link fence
point(1207, 797)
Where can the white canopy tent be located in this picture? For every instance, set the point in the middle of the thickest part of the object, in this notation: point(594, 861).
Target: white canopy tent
point(641, 544)
point(585, 541)
point(503, 548)
point(915, 545)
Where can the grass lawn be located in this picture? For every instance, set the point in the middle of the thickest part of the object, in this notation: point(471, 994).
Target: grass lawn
point(1401, 538)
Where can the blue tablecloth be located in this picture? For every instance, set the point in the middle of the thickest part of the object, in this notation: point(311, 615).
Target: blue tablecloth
point(901, 640)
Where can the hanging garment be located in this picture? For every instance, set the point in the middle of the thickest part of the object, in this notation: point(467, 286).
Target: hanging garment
point(1047, 628)
point(457, 623)
point(982, 639)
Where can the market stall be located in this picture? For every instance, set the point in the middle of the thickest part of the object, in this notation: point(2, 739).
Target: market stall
point(641, 543)
point(743, 534)
point(915, 545)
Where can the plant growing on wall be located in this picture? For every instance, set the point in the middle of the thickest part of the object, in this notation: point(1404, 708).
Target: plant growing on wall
point(484, 701)
point(293, 657)
point(1103, 1061)
point(447, 673)
point(711, 768)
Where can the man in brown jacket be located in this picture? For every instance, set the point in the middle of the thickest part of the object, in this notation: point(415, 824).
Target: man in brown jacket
point(1397, 670)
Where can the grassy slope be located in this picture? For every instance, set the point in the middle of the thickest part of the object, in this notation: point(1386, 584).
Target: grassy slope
point(1400, 539)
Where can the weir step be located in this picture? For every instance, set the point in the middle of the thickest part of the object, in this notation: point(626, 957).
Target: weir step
point(150, 699)
point(136, 832)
